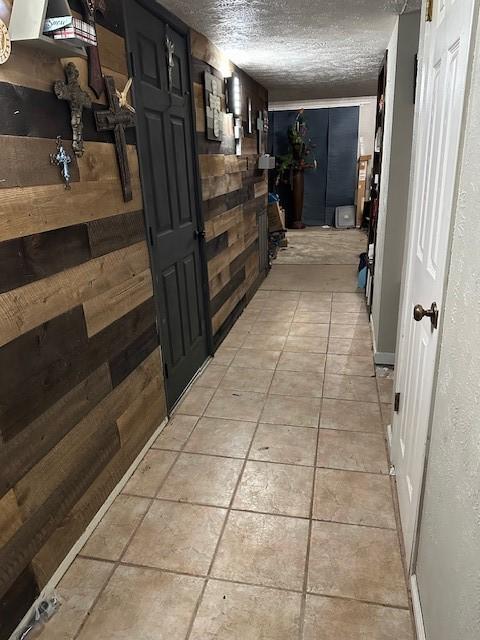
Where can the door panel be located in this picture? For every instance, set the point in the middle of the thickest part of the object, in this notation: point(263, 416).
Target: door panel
point(167, 161)
point(443, 67)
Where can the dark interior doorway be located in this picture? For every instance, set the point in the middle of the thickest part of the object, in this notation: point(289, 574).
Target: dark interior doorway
point(334, 132)
point(159, 51)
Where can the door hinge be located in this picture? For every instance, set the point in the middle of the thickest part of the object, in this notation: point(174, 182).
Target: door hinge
point(165, 369)
point(150, 236)
point(429, 11)
point(396, 406)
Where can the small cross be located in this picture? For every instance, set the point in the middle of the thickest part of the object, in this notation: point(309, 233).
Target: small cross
point(62, 159)
point(79, 100)
point(117, 120)
point(90, 8)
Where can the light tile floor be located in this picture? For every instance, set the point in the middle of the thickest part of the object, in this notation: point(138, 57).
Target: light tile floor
point(264, 510)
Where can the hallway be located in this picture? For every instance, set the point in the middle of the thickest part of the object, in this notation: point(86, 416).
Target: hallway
point(264, 510)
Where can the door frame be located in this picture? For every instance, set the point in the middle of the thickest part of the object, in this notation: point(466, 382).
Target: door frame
point(404, 316)
point(171, 19)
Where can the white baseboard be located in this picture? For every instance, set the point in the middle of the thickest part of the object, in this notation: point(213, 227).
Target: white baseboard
point(384, 358)
point(417, 609)
point(47, 591)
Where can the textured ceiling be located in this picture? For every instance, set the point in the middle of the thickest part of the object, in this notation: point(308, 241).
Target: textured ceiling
point(299, 49)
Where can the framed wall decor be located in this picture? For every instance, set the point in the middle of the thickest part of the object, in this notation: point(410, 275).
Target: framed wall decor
point(213, 107)
point(5, 44)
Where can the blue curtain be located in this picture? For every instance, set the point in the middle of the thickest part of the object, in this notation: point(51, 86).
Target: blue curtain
point(334, 132)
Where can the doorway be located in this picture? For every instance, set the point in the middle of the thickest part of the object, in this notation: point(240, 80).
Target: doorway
point(443, 73)
point(159, 51)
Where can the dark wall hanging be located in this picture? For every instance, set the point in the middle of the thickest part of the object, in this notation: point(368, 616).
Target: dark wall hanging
point(95, 77)
point(117, 120)
point(79, 100)
point(213, 107)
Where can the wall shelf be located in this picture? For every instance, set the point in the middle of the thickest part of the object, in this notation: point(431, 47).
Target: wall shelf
point(27, 21)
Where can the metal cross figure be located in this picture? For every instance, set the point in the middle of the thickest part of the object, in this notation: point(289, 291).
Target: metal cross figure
point(79, 100)
point(62, 159)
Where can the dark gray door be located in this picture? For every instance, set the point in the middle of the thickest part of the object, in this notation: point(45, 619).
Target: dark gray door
point(160, 65)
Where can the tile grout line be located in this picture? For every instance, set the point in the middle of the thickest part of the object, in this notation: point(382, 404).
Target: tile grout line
point(277, 462)
point(242, 510)
point(249, 584)
point(303, 605)
point(229, 509)
point(396, 509)
point(118, 562)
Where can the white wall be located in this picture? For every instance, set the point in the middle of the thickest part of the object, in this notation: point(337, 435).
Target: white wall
point(385, 183)
point(392, 219)
point(448, 566)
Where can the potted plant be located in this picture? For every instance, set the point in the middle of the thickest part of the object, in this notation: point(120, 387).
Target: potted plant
point(293, 165)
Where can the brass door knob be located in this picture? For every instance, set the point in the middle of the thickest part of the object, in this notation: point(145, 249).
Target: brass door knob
point(419, 313)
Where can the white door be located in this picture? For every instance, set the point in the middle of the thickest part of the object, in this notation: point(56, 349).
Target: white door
point(443, 70)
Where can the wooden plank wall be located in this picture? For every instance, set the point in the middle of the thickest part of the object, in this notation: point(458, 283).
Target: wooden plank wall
point(81, 385)
point(234, 194)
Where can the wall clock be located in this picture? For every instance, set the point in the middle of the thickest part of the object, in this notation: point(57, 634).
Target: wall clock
point(5, 44)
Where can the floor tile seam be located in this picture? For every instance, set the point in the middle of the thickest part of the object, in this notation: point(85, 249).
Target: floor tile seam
point(244, 510)
point(236, 510)
point(209, 578)
point(362, 431)
point(354, 524)
point(87, 614)
point(237, 458)
point(301, 625)
point(394, 499)
point(371, 473)
point(225, 522)
point(394, 493)
point(125, 548)
point(375, 603)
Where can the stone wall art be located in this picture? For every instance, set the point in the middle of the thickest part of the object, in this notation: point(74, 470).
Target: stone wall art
point(213, 107)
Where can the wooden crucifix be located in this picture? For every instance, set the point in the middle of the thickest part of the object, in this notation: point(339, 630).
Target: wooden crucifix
point(117, 119)
point(95, 78)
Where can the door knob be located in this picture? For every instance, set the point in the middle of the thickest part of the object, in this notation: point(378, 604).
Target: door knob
point(419, 313)
point(199, 234)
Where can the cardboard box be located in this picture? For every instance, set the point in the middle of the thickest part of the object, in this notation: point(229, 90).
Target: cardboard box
point(361, 188)
point(276, 217)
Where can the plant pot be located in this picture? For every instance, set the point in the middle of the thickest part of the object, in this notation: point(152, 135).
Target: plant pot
point(298, 184)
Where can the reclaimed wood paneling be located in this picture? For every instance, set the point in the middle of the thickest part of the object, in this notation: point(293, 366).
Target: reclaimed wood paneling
point(25, 308)
point(29, 210)
point(10, 517)
point(28, 259)
point(38, 113)
point(31, 444)
point(104, 309)
point(81, 377)
point(15, 603)
point(234, 193)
